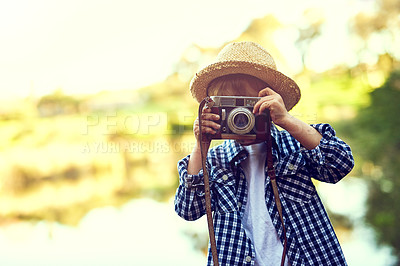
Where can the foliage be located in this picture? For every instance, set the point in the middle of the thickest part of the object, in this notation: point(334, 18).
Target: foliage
point(57, 103)
point(376, 33)
point(375, 132)
point(309, 32)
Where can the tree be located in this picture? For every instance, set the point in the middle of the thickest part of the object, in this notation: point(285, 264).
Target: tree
point(378, 31)
point(311, 29)
point(57, 103)
point(375, 132)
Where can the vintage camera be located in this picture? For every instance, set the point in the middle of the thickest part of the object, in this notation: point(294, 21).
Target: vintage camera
point(237, 119)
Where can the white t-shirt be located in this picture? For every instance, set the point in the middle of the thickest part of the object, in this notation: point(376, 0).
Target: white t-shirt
point(257, 221)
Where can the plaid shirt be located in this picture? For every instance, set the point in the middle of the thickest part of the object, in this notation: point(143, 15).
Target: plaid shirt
point(310, 235)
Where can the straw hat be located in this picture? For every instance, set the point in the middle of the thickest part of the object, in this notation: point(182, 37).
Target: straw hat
point(246, 58)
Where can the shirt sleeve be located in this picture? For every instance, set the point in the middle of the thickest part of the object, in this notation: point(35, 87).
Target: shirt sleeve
point(189, 197)
point(332, 159)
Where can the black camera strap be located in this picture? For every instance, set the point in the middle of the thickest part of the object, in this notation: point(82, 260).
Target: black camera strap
point(205, 142)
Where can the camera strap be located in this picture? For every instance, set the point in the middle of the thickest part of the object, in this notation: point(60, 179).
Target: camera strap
point(205, 142)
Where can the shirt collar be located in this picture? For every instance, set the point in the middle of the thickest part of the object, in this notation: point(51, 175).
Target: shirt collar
point(237, 153)
point(275, 139)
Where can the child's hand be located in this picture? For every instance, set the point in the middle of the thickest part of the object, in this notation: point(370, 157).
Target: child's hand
point(274, 102)
point(208, 124)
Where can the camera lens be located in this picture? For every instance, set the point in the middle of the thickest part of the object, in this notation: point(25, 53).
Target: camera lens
point(241, 120)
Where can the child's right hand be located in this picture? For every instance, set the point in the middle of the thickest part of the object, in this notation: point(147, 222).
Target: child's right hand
point(208, 124)
point(208, 127)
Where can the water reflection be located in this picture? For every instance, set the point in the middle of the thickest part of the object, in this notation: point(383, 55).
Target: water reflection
point(348, 198)
point(142, 232)
point(147, 232)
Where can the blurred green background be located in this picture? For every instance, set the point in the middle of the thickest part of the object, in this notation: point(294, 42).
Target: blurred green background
point(95, 113)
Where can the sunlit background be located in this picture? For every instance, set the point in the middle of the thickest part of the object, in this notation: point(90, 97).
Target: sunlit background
point(95, 112)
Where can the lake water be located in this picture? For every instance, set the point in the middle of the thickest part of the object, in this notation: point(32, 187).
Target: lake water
point(146, 232)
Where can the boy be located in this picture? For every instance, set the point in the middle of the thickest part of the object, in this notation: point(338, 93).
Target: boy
point(247, 227)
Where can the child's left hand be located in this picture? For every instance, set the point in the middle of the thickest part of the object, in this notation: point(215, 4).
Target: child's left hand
point(274, 102)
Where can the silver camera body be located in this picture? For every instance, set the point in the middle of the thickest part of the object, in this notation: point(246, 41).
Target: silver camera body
point(237, 119)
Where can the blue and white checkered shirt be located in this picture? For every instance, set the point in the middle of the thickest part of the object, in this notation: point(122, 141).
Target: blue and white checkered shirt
point(310, 235)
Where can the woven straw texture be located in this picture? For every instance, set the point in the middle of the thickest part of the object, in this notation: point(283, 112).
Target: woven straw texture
point(246, 58)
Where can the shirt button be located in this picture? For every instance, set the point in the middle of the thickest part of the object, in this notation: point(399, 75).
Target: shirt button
point(290, 166)
point(225, 177)
point(248, 259)
point(239, 204)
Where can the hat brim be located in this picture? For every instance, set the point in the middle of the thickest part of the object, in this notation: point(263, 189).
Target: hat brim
point(280, 83)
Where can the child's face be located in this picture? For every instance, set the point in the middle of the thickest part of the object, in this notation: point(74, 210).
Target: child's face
point(245, 90)
point(237, 86)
